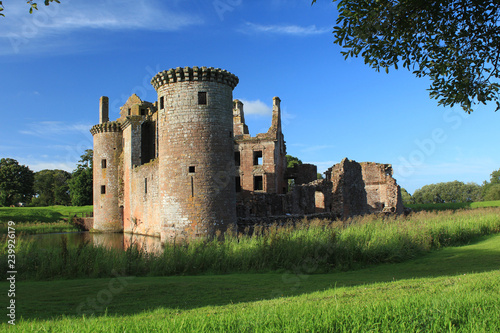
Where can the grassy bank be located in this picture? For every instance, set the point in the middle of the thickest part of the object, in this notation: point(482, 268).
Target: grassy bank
point(39, 220)
point(453, 205)
point(41, 214)
point(308, 247)
point(453, 290)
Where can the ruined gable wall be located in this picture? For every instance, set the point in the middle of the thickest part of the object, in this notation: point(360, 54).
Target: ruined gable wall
point(348, 189)
point(383, 193)
point(248, 169)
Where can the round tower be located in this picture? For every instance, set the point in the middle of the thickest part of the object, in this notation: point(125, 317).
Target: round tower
point(195, 151)
point(107, 150)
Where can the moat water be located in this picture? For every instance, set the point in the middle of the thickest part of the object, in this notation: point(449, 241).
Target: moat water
point(109, 240)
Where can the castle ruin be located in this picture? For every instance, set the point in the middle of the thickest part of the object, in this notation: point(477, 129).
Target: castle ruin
point(186, 165)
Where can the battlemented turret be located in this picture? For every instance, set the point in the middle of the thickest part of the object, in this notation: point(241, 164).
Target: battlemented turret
point(107, 150)
point(196, 160)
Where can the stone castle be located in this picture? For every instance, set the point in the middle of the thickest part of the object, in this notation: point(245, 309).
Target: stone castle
point(186, 165)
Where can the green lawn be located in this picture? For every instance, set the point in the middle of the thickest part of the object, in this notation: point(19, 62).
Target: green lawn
point(41, 214)
point(453, 205)
point(32, 220)
point(453, 289)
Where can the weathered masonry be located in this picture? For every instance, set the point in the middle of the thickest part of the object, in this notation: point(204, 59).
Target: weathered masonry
point(186, 165)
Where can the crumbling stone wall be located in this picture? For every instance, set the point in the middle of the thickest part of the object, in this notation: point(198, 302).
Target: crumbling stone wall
point(261, 160)
point(382, 192)
point(348, 189)
point(302, 173)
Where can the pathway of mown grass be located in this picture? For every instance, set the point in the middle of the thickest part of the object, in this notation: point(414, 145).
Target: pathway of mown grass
point(439, 289)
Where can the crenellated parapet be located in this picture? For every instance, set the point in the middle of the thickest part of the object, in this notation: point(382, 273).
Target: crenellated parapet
point(196, 73)
point(112, 126)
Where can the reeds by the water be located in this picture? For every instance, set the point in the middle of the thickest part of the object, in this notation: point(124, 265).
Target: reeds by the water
point(311, 246)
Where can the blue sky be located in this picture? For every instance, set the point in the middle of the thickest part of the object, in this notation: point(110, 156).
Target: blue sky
point(57, 62)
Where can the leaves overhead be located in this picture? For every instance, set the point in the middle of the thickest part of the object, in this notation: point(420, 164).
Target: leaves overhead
point(454, 43)
point(31, 3)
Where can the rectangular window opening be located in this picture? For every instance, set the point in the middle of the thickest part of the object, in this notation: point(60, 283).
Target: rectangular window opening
point(237, 158)
point(258, 184)
point(145, 185)
point(237, 181)
point(129, 111)
point(103, 163)
point(162, 102)
point(103, 189)
point(257, 157)
point(192, 169)
point(143, 112)
point(202, 98)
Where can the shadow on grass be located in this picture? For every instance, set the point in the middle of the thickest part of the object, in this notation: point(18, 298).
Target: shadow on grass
point(131, 295)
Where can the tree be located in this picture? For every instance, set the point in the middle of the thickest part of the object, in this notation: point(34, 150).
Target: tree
point(81, 182)
point(492, 192)
point(16, 182)
point(448, 192)
point(456, 43)
point(491, 189)
point(31, 3)
point(291, 161)
point(51, 188)
point(407, 199)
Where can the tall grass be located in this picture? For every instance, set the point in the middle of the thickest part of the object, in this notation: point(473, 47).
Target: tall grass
point(40, 227)
point(312, 246)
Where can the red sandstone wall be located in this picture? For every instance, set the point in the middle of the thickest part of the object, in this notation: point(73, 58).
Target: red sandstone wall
point(199, 136)
point(107, 213)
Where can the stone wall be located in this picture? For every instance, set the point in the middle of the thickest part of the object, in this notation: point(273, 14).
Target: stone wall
point(302, 173)
point(107, 150)
point(196, 162)
point(144, 200)
point(382, 192)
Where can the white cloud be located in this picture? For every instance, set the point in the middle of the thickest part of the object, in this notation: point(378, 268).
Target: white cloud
point(23, 32)
point(293, 30)
point(55, 128)
point(111, 14)
point(256, 108)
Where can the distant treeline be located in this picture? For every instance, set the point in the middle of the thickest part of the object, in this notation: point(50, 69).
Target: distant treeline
point(21, 186)
point(455, 192)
